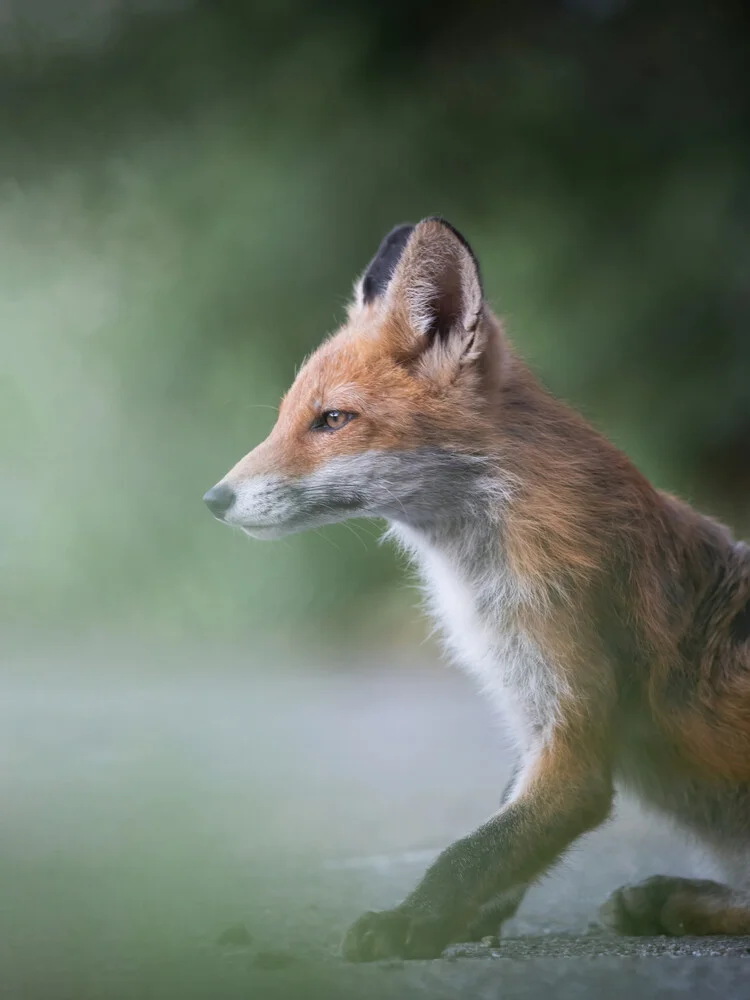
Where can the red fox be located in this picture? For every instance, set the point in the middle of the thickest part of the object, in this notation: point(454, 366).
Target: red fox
point(610, 621)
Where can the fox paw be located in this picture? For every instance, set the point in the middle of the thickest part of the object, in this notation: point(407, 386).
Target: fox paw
point(662, 905)
point(395, 934)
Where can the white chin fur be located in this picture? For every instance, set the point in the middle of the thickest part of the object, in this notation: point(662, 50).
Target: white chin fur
point(271, 532)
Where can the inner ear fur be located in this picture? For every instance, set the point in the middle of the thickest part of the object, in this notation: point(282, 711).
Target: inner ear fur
point(437, 287)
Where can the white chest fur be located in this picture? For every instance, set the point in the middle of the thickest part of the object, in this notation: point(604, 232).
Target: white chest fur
point(475, 601)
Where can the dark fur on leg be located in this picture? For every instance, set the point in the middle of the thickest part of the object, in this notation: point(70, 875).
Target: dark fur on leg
point(677, 906)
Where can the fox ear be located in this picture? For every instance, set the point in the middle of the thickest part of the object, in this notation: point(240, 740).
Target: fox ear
point(374, 282)
point(436, 291)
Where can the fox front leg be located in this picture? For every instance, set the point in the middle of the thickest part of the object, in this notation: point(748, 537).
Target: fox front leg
point(560, 797)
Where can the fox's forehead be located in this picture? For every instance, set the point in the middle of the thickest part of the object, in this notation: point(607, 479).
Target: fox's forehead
point(352, 365)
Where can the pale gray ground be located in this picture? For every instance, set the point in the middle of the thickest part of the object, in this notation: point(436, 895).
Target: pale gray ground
point(153, 801)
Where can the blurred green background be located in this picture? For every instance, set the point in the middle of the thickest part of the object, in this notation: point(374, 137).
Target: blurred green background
point(189, 189)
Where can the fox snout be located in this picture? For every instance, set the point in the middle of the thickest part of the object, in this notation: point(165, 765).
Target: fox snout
point(273, 505)
point(256, 495)
point(263, 506)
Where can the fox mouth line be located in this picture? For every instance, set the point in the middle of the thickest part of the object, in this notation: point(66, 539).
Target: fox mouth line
point(301, 520)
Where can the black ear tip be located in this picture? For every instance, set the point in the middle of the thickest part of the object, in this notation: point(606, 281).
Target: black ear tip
point(396, 240)
point(398, 231)
point(383, 264)
point(459, 236)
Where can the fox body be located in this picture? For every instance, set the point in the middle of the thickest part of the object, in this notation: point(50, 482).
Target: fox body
point(609, 621)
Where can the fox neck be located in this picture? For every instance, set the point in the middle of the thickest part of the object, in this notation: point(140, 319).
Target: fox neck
point(483, 608)
point(462, 535)
point(528, 515)
point(468, 543)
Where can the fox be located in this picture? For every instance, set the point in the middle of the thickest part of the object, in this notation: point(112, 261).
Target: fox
point(608, 620)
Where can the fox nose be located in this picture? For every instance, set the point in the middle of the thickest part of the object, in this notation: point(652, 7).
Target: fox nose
point(219, 499)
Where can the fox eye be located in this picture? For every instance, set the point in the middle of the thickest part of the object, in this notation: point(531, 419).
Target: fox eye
point(333, 420)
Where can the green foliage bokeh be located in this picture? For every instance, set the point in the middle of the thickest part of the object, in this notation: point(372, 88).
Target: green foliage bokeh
point(182, 213)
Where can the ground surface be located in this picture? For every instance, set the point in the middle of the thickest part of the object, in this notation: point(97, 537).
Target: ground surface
point(191, 826)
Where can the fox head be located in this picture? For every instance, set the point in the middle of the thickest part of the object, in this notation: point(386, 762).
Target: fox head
point(390, 417)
